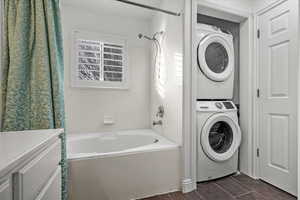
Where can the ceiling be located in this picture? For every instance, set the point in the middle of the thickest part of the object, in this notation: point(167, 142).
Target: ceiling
point(115, 7)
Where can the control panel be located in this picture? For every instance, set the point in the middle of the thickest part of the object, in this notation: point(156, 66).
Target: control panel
point(219, 105)
point(215, 106)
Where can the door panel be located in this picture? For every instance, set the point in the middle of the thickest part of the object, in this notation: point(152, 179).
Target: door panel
point(279, 23)
point(279, 130)
point(279, 76)
point(278, 102)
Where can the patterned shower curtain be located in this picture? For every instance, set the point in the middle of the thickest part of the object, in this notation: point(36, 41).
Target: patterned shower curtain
point(32, 86)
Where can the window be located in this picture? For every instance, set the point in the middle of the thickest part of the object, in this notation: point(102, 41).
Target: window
point(99, 61)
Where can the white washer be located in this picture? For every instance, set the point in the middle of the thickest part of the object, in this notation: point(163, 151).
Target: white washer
point(215, 58)
point(219, 137)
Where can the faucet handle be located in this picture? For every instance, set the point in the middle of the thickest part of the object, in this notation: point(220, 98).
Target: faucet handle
point(161, 112)
point(159, 122)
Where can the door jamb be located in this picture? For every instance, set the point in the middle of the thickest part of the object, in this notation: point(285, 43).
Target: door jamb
point(241, 16)
point(188, 182)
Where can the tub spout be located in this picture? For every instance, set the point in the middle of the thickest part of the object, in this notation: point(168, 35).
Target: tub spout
point(159, 122)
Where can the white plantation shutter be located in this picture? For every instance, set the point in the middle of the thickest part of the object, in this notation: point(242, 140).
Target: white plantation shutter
point(89, 59)
point(100, 63)
point(113, 62)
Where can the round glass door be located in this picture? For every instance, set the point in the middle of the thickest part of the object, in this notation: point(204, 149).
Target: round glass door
point(216, 57)
point(220, 137)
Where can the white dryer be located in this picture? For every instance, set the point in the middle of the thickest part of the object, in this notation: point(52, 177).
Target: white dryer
point(215, 57)
point(219, 137)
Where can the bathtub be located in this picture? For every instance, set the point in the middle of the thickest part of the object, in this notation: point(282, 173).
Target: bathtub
point(122, 165)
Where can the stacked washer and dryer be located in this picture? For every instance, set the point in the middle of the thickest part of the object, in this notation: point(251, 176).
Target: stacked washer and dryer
point(219, 134)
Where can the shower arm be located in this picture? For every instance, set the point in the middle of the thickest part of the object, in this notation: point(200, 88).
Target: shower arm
point(150, 7)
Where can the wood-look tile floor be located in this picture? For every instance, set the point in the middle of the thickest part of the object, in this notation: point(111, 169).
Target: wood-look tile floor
point(239, 187)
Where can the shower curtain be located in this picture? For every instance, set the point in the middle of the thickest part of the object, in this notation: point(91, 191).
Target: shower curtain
point(32, 87)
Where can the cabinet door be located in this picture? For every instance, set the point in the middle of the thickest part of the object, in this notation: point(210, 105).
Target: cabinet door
point(52, 190)
point(33, 176)
point(5, 190)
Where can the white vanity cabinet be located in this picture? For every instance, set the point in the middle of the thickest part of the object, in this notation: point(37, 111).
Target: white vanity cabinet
point(35, 174)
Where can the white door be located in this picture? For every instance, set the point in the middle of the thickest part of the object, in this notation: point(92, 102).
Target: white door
point(278, 96)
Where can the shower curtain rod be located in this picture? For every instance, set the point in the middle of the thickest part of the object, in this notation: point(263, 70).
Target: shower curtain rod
point(149, 7)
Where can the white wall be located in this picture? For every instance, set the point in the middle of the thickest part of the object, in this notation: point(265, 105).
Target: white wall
point(259, 4)
point(244, 5)
point(86, 108)
point(170, 93)
point(246, 71)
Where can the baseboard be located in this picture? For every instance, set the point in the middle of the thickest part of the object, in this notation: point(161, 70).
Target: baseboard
point(251, 175)
point(188, 186)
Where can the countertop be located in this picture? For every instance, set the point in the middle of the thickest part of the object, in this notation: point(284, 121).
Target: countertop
point(16, 147)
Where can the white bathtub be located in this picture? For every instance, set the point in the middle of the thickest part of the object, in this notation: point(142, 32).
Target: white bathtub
point(122, 165)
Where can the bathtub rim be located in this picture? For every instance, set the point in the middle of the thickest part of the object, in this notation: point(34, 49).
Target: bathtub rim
point(164, 144)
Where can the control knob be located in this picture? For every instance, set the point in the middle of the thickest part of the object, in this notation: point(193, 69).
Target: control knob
point(219, 105)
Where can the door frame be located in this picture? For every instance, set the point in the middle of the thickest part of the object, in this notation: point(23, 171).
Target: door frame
point(1, 46)
point(245, 18)
point(189, 150)
point(256, 104)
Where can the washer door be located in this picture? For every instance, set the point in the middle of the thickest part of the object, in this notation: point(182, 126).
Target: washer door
point(215, 57)
point(220, 137)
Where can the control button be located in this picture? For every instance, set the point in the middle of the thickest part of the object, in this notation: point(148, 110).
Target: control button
point(219, 105)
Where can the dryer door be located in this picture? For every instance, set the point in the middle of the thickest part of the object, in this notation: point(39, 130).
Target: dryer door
point(220, 137)
point(216, 57)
